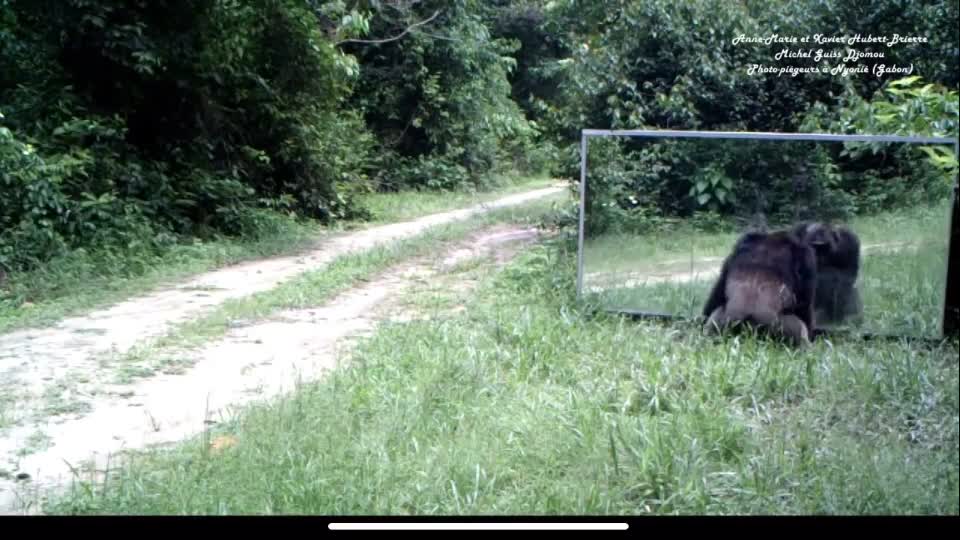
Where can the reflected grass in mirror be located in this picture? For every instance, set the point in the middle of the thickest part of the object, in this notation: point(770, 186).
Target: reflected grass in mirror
point(902, 277)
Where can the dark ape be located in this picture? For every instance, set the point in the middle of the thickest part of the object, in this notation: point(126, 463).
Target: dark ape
point(838, 265)
point(769, 281)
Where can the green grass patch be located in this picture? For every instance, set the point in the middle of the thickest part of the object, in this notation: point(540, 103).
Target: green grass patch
point(84, 280)
point(38, 441)
point(407, 205)
point(677, 248)
point(9, 396)
point(525, 404)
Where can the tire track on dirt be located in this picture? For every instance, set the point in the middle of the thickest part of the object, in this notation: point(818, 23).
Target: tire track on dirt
point(249, 363)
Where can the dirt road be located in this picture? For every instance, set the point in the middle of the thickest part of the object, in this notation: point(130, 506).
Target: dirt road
point(253, 362)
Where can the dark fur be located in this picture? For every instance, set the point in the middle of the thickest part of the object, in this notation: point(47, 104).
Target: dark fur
point(768, 281)
point(838, 266)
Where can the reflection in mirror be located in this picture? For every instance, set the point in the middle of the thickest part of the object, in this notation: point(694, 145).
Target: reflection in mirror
point(661, 214)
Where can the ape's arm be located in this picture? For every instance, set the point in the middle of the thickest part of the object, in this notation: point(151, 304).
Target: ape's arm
point(718, 295)
point(805, 288)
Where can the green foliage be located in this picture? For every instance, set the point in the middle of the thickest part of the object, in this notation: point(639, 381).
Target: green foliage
point(38, 218)
point(145, 119)
point(534, 83)
point(439, 98)
point(907, 106)
point(936, 21)
point(633, 185)
point(712, 188)
point(643, 66)
point(672, 65)
point(887, 175)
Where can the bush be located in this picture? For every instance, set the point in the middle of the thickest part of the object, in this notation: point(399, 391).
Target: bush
point(641, 66)
point(440, 106)
point(133, 120)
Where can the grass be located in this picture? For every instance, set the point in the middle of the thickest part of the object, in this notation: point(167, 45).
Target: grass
point(902, 290)
point(38, 441)
point(308, 289)
point(82, 280)
point(70, 393)
point(673, 250)
point(9, 396)
point(526, 404)
point(406, 205)
point(61, 398)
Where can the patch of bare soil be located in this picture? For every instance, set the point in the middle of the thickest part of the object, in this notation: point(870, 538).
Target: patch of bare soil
point(250, 363)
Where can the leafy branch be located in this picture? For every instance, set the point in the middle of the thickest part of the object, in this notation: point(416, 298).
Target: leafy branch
point(394, 38)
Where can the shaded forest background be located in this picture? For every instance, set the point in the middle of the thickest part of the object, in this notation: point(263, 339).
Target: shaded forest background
point(129, 126)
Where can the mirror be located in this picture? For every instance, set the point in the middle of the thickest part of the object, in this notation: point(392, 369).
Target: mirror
point(661, 213)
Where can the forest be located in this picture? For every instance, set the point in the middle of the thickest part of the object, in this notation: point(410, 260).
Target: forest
point(130, 126)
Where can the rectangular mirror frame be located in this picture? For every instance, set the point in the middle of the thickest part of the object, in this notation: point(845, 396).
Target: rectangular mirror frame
point(951, 305)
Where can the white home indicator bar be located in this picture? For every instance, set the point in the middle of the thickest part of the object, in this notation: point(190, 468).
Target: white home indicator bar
point(439, 526)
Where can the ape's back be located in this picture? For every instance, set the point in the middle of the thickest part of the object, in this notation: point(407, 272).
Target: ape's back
point(778, 257)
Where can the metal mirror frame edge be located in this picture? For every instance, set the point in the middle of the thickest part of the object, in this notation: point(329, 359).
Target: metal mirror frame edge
point(949, 325)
